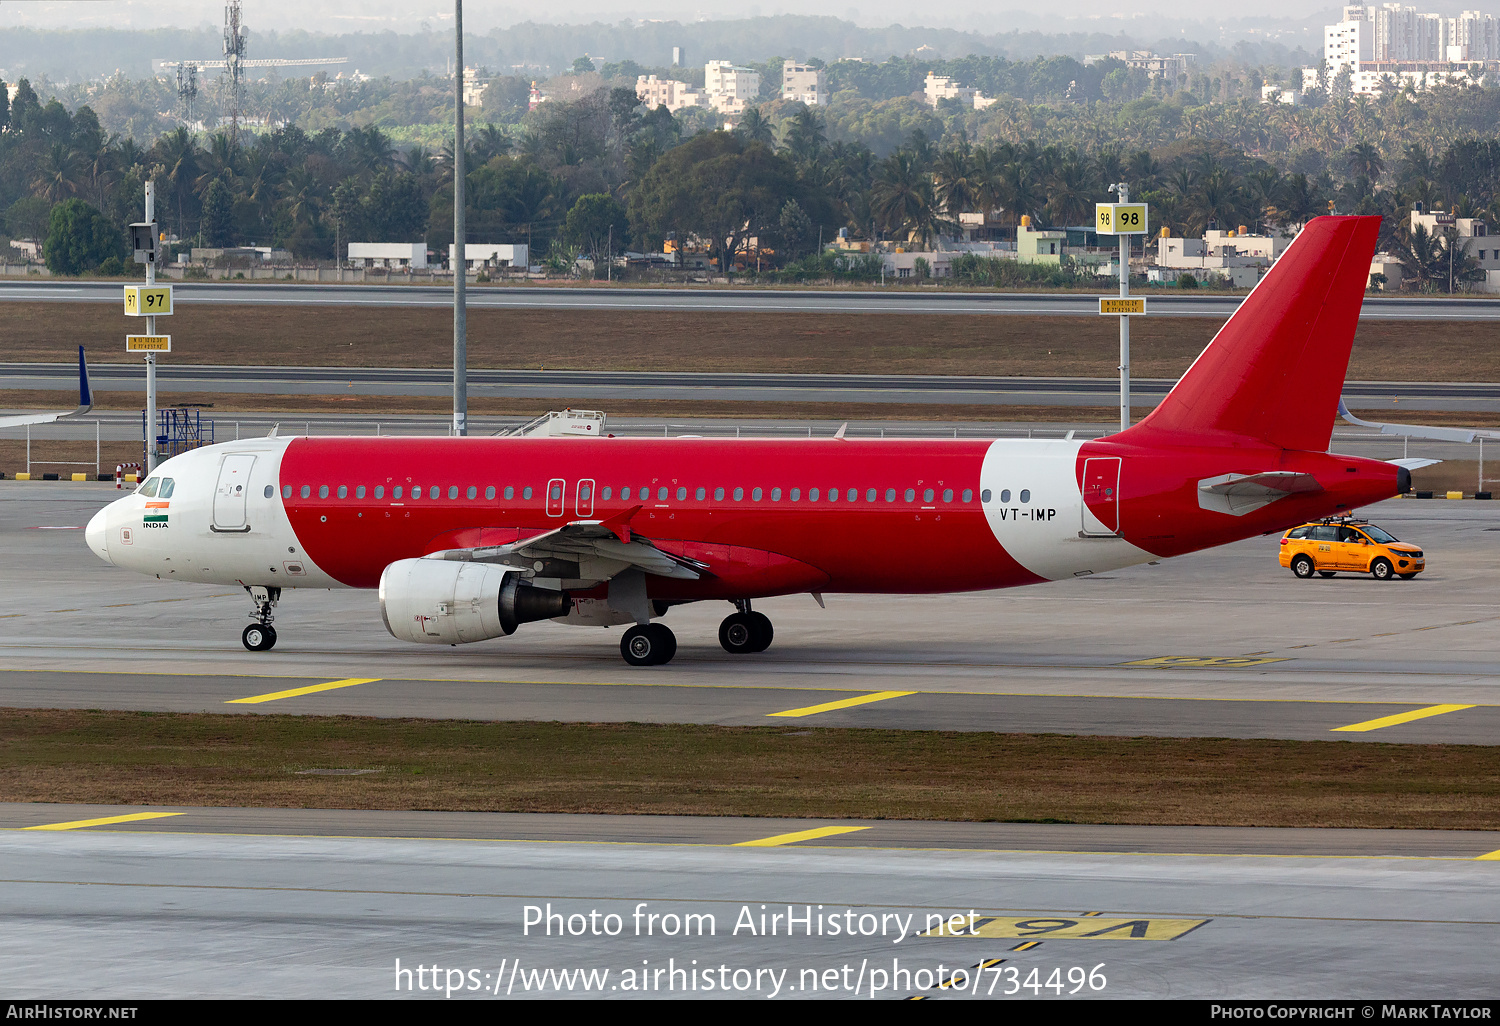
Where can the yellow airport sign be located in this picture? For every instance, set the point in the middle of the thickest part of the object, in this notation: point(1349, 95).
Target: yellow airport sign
point(1122, 306)
point(143, 301)
point(148, 343)
point(1120, 218)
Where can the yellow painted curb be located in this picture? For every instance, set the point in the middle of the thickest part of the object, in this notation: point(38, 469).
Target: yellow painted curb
point(1455, 495)
point(80, 477)
point(23, 476)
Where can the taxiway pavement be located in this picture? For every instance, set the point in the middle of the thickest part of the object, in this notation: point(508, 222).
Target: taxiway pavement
point(607, 387)
point(217, 906)
point(736, 300)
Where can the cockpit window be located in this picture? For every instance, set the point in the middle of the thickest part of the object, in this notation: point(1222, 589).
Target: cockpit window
point(149, 488)
point(165, 491)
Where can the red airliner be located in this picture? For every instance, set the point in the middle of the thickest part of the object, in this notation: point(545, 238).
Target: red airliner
point(467, 538)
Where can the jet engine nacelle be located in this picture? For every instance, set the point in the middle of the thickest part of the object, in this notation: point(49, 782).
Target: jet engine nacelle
point(445, 602)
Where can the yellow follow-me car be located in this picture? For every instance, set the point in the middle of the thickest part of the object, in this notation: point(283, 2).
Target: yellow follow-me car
point(1354, 546)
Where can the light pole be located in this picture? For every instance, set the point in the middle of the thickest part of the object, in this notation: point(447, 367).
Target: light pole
point(460, 265)
point(1123, 189)
point(151, 453)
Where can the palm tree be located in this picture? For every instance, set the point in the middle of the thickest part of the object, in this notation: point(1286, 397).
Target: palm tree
point(958, 188)
point(803, 135)
point(1423, 261)
point(60, 173)
point(1363, 160)
point(178, 155)
point(902, 199)
point(1070, 194)
point(756, 129)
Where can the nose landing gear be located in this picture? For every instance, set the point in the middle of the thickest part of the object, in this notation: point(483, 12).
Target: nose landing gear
point(261, 636)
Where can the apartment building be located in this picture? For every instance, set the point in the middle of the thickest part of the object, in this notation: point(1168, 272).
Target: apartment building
point(667, 92)
point(729, 88)
point(804, 84)
point(1395, 44)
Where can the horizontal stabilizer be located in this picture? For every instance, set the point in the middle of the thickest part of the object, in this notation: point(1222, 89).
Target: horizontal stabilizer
point(1440, 434)
point(1414, 462)
point(85, 402)
point(1238, 494)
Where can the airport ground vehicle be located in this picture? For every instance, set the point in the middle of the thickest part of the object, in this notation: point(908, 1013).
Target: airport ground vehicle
point(467, 538)
point(1346, 544)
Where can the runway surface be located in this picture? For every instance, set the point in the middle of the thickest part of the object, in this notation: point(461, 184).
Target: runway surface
point(1219, 643)
point(151, 910)
point(896, 299)
point(605, 387)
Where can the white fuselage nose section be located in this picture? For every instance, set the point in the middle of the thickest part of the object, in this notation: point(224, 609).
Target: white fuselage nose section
point(223, 523)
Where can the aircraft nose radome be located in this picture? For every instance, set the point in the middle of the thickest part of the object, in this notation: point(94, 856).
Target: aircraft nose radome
point(96, 534)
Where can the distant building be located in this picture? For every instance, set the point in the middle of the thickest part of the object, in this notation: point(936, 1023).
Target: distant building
point(667, 92)
point(1473, 234)
point(1277, 94)
point(1237, 255)
point(389, 254)
point(1170, 69)
point(474, 87)
point(729, 88)
point(536, 99)
point(677, 56)
point(490, 254)
point(1396, 46)
point(804, 84)
point(937, 88)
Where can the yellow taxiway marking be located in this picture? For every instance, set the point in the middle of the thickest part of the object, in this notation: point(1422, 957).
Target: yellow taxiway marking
point(75, 824)
point(309, 690)
point(1493, 856)
point(1081, 927)
point(1210, 662)
point(800, 835)
point(843, 703)
point(1406, 717)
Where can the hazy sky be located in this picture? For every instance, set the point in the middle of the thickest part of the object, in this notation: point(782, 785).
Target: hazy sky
point(1289, 21)
point(482, 15)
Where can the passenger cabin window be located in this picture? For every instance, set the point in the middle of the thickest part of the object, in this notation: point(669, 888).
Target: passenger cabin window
point(1025, 495)
point(984, 496)
point(380, 491)
point(625, 492)
point(270, 491)
point(306, 491)
point(1005, 495)
point(812, 494)
point(359, 493)
point(608, 491)
point(968, 495)
point(510, 491)
point(700, 494)
point(681, 494)
point(718, 495)
point(396, 492)
point(911, 494)
point(453, 492)
point(756, 494)
point(527, 493)
point(775, 494)
point(739, 493)
point(286, 491)
point(948, 495)
point(322, 491)
point(870, 495)
point(489, 493)
point(343, 491)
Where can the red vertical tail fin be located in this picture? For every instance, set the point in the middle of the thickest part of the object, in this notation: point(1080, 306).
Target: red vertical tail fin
point(1274, 372)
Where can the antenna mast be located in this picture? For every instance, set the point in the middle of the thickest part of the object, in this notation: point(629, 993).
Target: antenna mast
point(234, 57)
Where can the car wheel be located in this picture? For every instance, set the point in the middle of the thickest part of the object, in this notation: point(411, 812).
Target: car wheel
point(1303, 567)
point(1382, 570)
point(1406, 577)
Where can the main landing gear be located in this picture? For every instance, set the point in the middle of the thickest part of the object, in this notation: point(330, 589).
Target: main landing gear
point(648, 644)
point(261, 636)
point(746, 631)
point(652, 644)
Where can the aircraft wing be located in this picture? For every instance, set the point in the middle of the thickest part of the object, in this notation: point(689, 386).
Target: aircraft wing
point(85, 402)
point(584, 550)
point(1442, 434)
